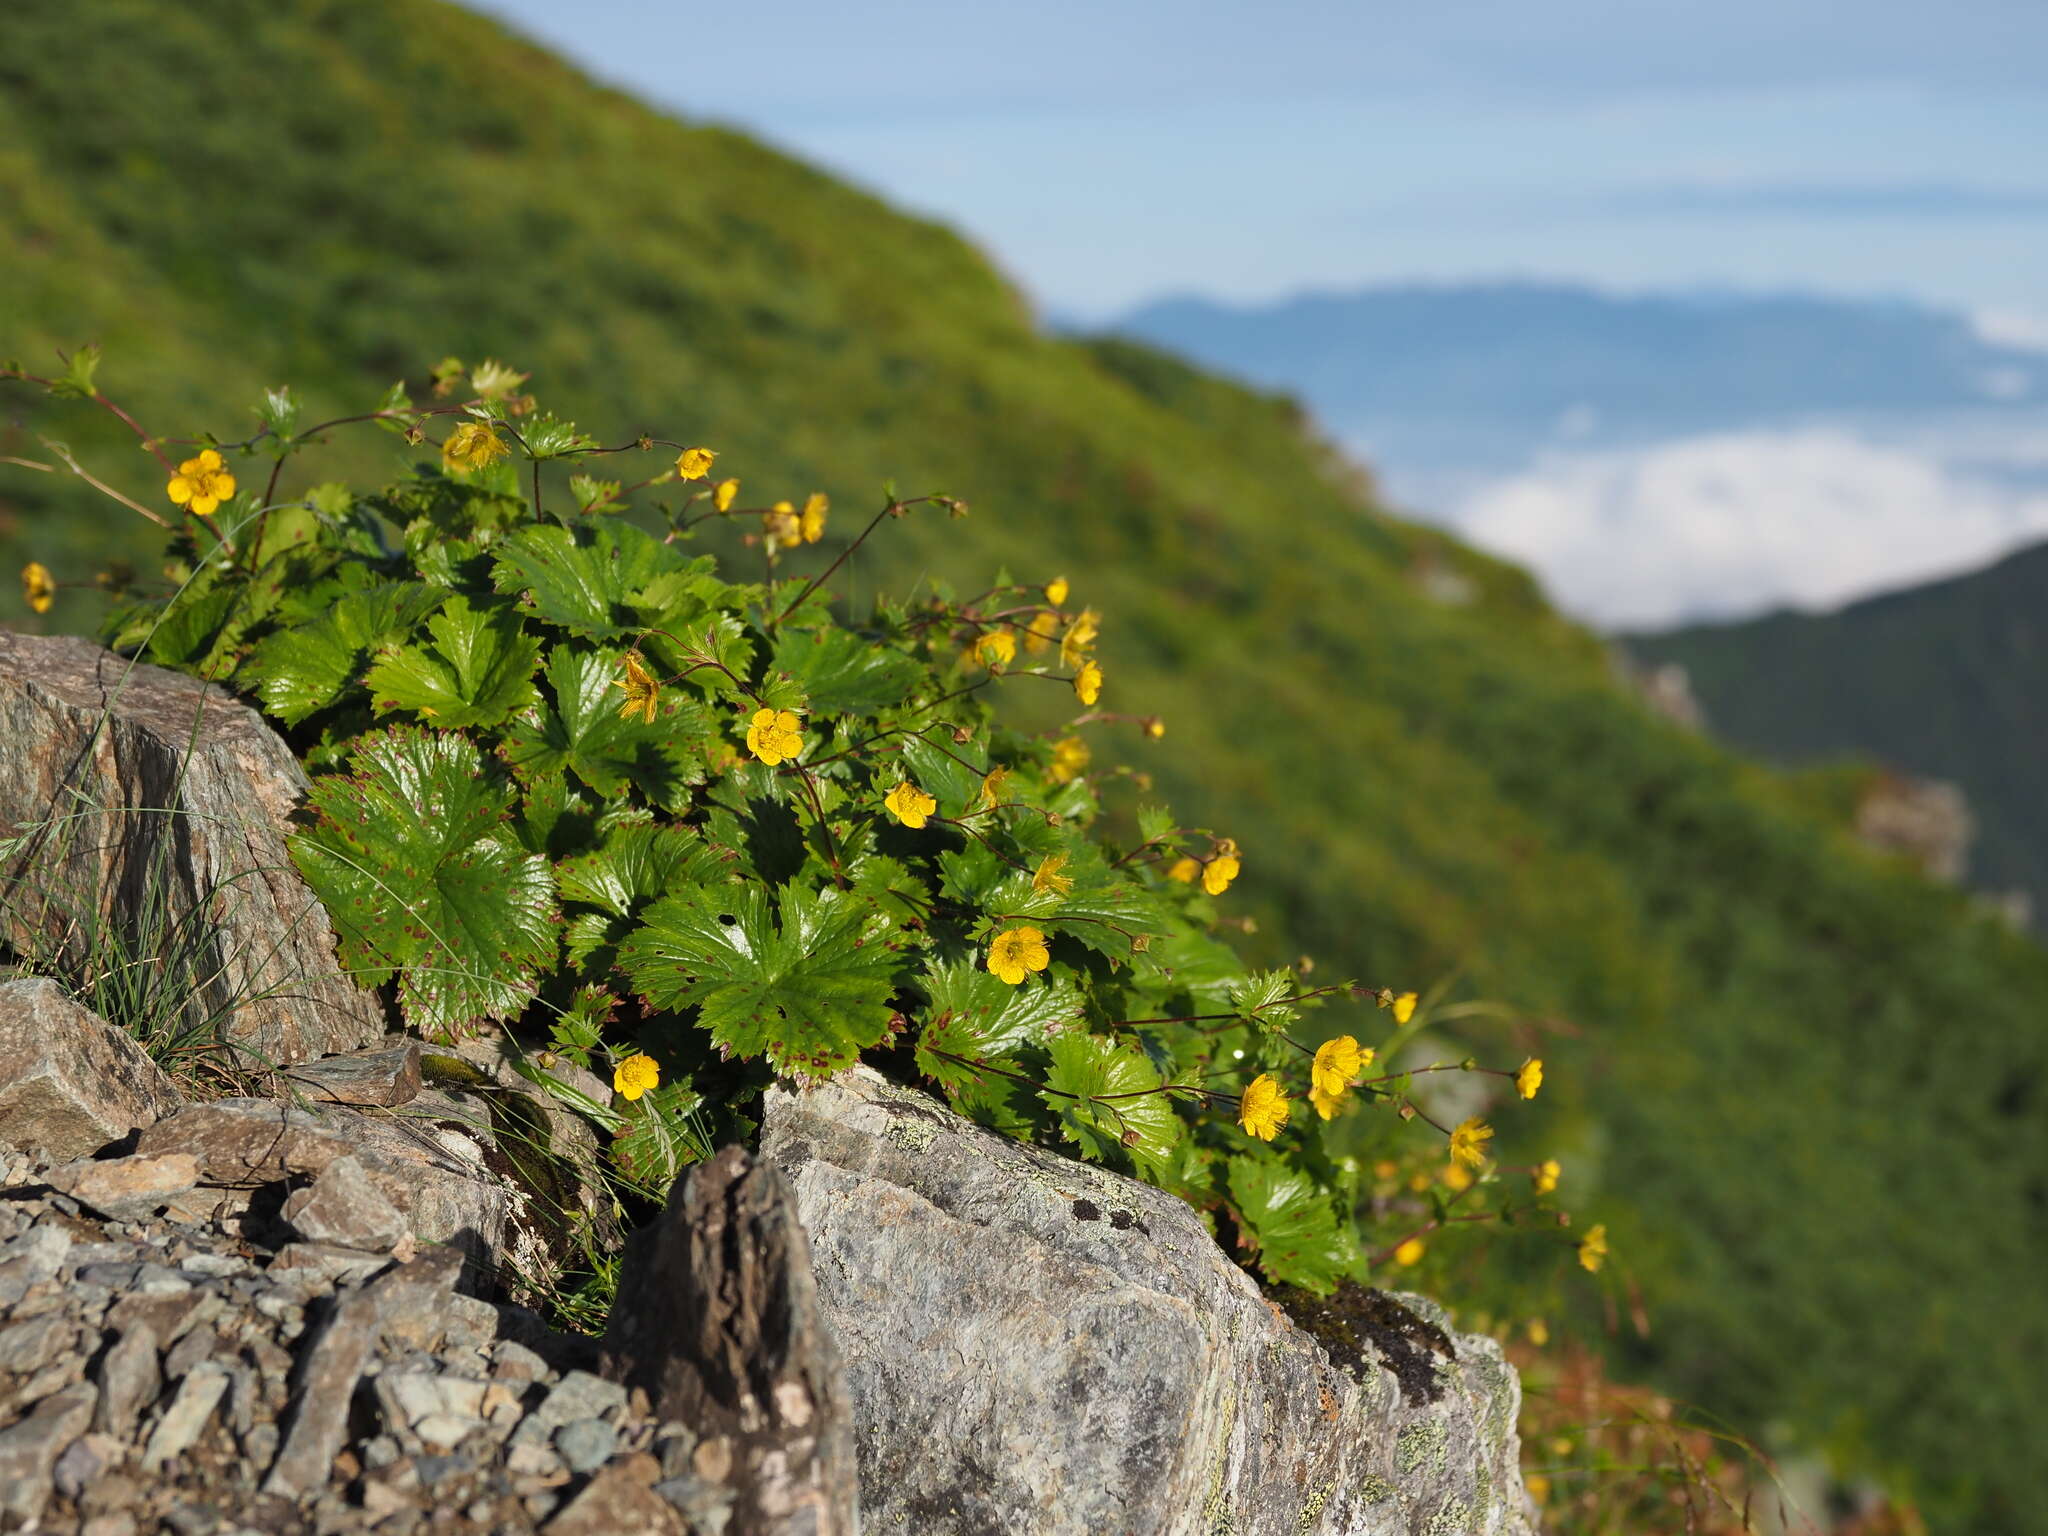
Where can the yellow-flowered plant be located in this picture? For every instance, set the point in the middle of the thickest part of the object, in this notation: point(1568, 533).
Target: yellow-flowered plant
point(775, 735)
point(471, 446)
point(202, 483)
point(910, 805)
point(38, 587)
point(694, 822)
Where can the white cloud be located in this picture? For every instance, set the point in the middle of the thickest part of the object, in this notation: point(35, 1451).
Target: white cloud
point(2023, 329)
point(1739, 522)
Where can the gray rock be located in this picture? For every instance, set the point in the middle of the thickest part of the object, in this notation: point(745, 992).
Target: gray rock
point(74, 1082)
point(343, 1207)
point(333, 1365)
point(185, 796)
point(1016, 1366)
point(127, 1188)
point(186, 1418)
point(445, 1198)
point(29, 1450)
point(718, 1321)
point(31, 1259)
point(129, 1377)
point(326, 1264)
point(613, 1501)
point(29, 1346)
point(586, 1444)
point(386, 1077)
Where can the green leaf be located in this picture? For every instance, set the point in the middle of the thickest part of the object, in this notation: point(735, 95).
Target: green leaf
point(1099, 1090)
point(79, 368)
point(1290, 1218)
point(989, 1018)
point(410, 855)
point(587, 581)
point(583, 732)
point(591, 493)
point(279, 412)
point(305, 668)
point(940, 773)
point(1258, 999)
point(549, 437)
point(802, 978)
point(478, 671)
point(638, 862)
point(657, 1142)
point(845, 673)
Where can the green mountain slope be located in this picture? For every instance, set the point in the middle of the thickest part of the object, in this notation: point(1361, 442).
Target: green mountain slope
point(1797, 1082)
point(1947, 680)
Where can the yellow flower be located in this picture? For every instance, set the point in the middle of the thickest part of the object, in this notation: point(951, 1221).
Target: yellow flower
point(1017, 951)
point(775, 735)
point(1221, 869)
point(1409, 1254)
point(1263, 1109)
point(1403, 1006)
point(1184, 870)
point(1070, 756)
point(811, 521)
point(1545, 1175)
point(1530, 1077)
point(641, 690)
point(1088, 683)
point(723, 493)
point(37, 588)
point(695, 464)
point(1468, 1142)
point(1056, 591)
point(1154, 727)
point(203, 483)
point(995, 649)
point(635, 1076)
point(1047, 876)
point(1538, 1486)
point(910, 805)
point(1593, 1248)
point(1038, 634)
point(1457, 1180)
point(992, 784)
point(1539, 1332)
point(1337, 1062)
point(1079, 636)
point(781, 524)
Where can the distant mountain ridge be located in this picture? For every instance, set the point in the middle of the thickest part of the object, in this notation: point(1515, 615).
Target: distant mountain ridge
point(1948, 680)
point(1527, 354)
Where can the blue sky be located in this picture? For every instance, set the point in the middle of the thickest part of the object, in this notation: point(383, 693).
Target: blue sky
point(1112, 151)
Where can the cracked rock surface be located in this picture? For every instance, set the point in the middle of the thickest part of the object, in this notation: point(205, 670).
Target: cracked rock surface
point(1032, 1344)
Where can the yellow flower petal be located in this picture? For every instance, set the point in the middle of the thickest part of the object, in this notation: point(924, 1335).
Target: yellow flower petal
point(910, 805)
point(694, 463)
point(1530, 1077)
point(180, 489)
point(1409, 1254)
point(1056, 591)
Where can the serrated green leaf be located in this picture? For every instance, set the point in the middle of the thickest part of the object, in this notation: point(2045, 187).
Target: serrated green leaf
point(845, 673)
point(586, 581)
point(1259, 999)
point(478, 670)
point(591, 493)
point(638, 862)
point(581, 730)
point(1100, 1090)
point(942, 774)
point(409, 854)
point(305, 668)
point(989, 1018)
point(658, 1142)
point(801, 977)
point(1299, 1236)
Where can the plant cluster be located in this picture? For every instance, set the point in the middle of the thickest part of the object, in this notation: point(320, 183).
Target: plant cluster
point(574, 782)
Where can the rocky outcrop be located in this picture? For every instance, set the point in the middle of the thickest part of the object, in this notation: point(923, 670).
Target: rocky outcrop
point(193, 1377)
point(717, 1320)
point(154, 809)
point(71, 1082)
point(1036, 1345)
point(1925, 820)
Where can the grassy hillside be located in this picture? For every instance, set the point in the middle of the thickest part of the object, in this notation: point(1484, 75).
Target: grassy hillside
point(1811, 1077)
point(1947, 680)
